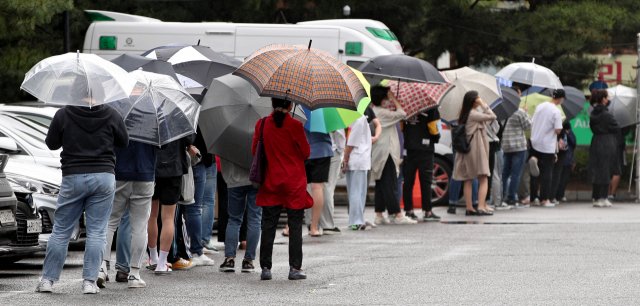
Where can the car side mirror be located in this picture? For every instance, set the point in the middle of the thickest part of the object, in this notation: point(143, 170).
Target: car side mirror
point(8, 145)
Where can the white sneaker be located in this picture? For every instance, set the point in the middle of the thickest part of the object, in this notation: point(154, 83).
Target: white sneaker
point(382, 220)
point(136, 282)
point(90, 288)
point(44, 285)
point(606, 203)
point(533, 167)
point(103, 277)
point(598, 203)
point(503, 206)
point(405, 220)
point(202, 260)
point(536, 202)
point(548, 204)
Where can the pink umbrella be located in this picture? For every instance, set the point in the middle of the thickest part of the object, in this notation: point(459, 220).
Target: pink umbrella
point(418, 97)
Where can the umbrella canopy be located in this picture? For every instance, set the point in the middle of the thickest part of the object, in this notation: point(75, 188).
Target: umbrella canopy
point(196, 66)
point(466, 79)
point(303, 75)
point(624, 103)
point(131, 62)
point(401, 67)
point(159, 110)
point(77, 79)
point(509, 104)
point(530, 74)
point(417, 97)
point(573, 102)
point(230, 110)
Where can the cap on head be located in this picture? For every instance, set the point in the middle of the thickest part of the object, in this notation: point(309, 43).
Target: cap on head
point(558, 93)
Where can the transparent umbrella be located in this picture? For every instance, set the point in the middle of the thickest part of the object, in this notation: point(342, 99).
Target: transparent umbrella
point(159, 110)
point(78, 79)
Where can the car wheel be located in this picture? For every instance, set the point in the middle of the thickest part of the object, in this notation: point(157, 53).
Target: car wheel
point(440, 185)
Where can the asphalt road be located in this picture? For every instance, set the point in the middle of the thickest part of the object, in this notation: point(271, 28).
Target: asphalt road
point(568, 255)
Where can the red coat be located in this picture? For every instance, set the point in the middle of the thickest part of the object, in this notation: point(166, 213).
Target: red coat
point(285, 179)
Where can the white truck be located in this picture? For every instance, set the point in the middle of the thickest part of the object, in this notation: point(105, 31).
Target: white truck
point(351, 41)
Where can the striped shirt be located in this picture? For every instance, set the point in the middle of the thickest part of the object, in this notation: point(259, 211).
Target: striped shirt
point(513, 138)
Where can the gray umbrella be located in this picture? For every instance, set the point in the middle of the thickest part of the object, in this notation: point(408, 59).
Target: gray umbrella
point(131, 62)
point(573, 102)
point(402, 68)
point(509, 105)
point(624, 101)
point(230, 110)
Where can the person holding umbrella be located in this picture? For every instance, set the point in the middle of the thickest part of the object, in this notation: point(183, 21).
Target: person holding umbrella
point(603, 153)
point(87, 136)
point(285, 185)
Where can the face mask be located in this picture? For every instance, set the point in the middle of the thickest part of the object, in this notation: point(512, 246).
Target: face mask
point(608, 103)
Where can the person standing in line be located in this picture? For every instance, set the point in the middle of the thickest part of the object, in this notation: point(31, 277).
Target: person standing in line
point(546, 126)
point(242, 199)
point(209, 206)
point(326, 217)
point(475, 163)
point(622, 150)
point(87, 137)
point(569, 161)
point(420, 137)
point(514, 145)
point(170, 167)
point(135, 177)
point(454, 192)
point(493, 129)
point(356, 164)
point(385, 159)
point(562, 150)
point(603, 154)
point(285, 184)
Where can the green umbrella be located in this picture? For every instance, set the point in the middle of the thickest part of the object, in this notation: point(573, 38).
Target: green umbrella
point(532, 101)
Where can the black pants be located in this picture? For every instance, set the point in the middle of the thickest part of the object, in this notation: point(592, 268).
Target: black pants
point(545, 164)
point(600, 191)
point(557, 174)
point(564, 180)
point(270, 217)
point(223, 206)
point(492, 163)
point(422, 162)
point(387, 189)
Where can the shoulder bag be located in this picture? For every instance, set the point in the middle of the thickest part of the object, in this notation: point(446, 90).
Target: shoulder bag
point(459, 141)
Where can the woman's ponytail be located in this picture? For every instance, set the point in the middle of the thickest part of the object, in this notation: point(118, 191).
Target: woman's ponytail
point(280, 106)
point(597, 95)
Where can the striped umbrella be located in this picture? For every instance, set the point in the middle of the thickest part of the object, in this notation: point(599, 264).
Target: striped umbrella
point(467, 79)
point(417, 97)
point(303, 75)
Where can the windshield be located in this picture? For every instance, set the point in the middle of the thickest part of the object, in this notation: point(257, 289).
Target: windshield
point(383, 33)
point(29, 130)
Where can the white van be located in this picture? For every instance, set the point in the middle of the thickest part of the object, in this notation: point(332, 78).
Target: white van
point(351, 41)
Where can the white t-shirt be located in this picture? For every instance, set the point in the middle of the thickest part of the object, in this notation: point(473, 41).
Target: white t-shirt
point(360, 139)
point(546, 119)
point(338, 140)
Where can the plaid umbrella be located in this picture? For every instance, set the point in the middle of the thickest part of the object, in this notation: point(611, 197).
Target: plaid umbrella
point(303, 75)
point(417, 97)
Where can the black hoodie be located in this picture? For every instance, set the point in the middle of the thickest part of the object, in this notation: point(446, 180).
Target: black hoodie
point(87, 136)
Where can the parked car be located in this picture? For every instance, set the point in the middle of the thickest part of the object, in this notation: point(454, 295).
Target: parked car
point(23, 131)
point(20, 222)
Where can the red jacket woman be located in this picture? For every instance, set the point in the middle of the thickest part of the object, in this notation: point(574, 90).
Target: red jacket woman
point(285, 179)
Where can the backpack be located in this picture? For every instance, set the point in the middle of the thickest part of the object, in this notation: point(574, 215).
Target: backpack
point(459, 141)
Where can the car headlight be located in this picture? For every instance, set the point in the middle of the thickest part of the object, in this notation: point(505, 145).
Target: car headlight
point(36, 186)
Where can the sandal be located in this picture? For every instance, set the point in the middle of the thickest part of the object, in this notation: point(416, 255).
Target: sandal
point(361, 227)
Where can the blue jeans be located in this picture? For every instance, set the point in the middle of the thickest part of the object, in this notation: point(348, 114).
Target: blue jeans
point(239, 199)
point(455, 186)
point(123, 244)
point(209, 203)
point(92, 193)
point(194, 211)
point(512, 169)
point(400, 180)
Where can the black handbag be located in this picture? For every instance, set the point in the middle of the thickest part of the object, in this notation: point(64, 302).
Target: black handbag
point(459, 141)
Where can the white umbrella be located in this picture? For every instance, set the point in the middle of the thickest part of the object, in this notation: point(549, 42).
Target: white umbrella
point(530, 74)
point(466, 79)
point(77, 79)
point(624, 101)
point(159, 109)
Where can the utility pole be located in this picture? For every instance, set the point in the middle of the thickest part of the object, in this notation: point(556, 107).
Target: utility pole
point(67, 32)
point(637, 146)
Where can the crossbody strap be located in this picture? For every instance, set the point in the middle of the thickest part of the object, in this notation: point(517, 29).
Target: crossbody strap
point(262, 128)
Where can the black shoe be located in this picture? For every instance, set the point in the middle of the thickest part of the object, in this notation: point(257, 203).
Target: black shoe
point(484, 213)
point(411, 215)
point(247, 266)
point(451, 210)
point(295, 275)
point(471, 213)
point(228, 265)
point(122, 277)
point(430, 217)
point(266, 274)
point(331, 231)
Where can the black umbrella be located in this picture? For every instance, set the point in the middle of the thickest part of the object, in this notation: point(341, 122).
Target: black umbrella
point(402, 68)
point(509, 105)
point(573, 102)
point(197, 93)
point(131, 62)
